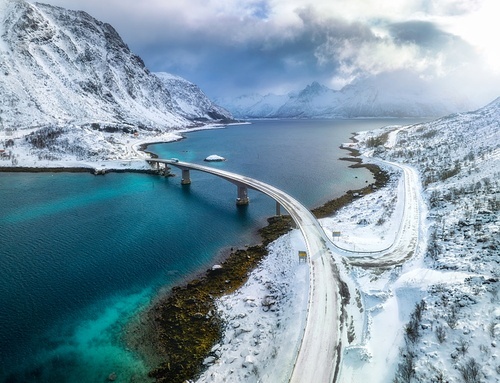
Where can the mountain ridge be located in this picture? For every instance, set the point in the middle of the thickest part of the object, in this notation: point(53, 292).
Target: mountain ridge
point(59, 66)
point(385, 95)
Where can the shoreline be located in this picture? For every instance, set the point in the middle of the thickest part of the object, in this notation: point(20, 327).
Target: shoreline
point(76, 169)
point(185, 316)
point(179, 328)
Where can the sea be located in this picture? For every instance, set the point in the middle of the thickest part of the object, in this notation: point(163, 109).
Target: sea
point(82, 255)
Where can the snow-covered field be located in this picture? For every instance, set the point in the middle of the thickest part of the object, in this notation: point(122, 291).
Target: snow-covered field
point(84, 147)
point(433, 318)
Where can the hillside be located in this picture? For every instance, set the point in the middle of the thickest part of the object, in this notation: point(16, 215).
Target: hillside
point(434, 318)
point(190, 101)
point(63, 72)
point(454, 329)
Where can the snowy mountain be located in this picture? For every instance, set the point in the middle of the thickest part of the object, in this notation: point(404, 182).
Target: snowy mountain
point(64, 67)
point(254, 105)
point(190, 101)
point(386, 95)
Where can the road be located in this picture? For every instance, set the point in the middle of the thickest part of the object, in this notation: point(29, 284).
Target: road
point(318, 356)
point(320, 352)
point(406, 241)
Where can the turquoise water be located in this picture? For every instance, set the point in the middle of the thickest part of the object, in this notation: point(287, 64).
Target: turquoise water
point(80, 254)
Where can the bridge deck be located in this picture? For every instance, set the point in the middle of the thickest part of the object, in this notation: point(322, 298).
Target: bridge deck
point(319, 353)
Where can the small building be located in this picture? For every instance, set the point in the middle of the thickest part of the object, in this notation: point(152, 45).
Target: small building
point(302, 256)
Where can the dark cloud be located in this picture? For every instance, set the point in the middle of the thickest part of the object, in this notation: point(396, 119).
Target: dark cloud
point(259, 56)
point(224, 67)
point(421, 33)
point(230, 48)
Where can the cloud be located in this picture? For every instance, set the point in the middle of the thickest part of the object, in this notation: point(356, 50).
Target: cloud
point(235, 47)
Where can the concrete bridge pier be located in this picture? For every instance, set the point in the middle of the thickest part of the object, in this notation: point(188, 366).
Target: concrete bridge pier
point(186, 179)
point(242, 195)
point(278, 209)
point(167, 171)
point(155, 165)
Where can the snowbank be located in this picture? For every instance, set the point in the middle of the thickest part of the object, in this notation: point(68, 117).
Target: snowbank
point(265, 319)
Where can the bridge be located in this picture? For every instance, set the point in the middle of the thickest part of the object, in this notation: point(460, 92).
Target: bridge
point(319, 355)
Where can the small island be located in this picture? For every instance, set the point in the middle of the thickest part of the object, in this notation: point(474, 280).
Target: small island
point(214, 158)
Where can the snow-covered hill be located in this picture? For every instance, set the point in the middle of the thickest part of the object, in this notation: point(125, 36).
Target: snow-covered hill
point(190, 101)
point(385, 95)
point(254, 105)
point(64, 67)
point(435, 318)
point(71, 90)
point(453, 332)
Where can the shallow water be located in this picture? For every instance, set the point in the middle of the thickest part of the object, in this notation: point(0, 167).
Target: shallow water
point(80, 254)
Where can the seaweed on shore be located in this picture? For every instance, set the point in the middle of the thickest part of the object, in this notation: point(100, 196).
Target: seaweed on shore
point(330, 207)
point(185, 323)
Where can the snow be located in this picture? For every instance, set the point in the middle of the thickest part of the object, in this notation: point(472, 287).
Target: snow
point(190, 100)
point(452, 274)
point(3, 13)
point(384, 95)
point(214, 157)
point(98, 150)
point(65, 69)
point(265, 319)
point(362, 225)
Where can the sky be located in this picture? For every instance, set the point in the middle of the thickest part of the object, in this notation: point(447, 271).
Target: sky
point(235, 47)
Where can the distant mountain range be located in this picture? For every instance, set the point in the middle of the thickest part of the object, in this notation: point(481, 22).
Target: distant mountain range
point(387, 95)
point(62, 67)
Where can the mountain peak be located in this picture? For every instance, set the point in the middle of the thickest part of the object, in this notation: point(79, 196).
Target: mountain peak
point(387, 95)
point(65, 67)
point(313, 88)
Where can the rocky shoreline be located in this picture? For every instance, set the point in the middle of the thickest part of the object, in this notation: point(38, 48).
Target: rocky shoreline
point(179, 330)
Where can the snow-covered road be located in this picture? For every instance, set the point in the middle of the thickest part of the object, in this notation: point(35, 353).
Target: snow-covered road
point(406, 241)
point(318, 355)
point(320, 352)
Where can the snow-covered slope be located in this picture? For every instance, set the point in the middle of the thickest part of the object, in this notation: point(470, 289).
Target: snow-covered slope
point(254, 105)
point(314, 100)
point(71, 90)
point(398, 95)
point(385, 95)
point(453, 332)
point(64, 67)
point(435, 318)
point(190, 101)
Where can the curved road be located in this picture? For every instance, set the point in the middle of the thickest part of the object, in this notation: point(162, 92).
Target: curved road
point(320, 353)
point(318, 356)
point(406, 241)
